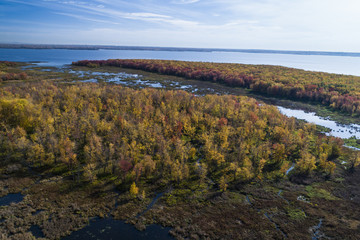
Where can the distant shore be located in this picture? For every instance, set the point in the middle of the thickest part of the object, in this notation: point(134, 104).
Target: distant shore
point(176, 49)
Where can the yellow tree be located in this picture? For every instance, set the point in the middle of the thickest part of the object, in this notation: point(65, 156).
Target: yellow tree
point(134, 190)
point(222, 184)
point(67, 155)
point(354, 161)
point(306, 163)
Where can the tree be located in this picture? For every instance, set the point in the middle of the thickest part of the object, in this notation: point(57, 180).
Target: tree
point(179, 171)
point(233, 167)
point(192, 154)
point(222, 184)
point(306, 163)
point(202, 171)
point(143, 195)
point(246, 171)
point(354, 161)
point(89, 172)
point(134, 190)
point(330, 168)
point(67, 155)
point(149, 165)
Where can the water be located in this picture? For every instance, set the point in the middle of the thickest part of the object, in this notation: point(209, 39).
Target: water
point(37, 212)
point(59, 57)
point(337, 130)
point(279, 194)
point(316, 231)
point(111, 229)
point(36, 231)
point(267, 216)
point(127, 79)
point(11, 198)
point(275, 224)
point(156, 198)
point(290, 169)
point(248, 200)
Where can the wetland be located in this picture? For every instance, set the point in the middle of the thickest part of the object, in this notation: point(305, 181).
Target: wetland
point(44, 200)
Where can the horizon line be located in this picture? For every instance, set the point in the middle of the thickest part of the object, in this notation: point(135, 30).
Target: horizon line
point(158, 48)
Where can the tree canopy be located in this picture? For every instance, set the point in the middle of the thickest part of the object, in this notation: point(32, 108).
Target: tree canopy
point(155, 135)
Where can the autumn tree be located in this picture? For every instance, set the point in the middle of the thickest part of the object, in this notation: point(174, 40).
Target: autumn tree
point(222, 184)
point(134, 190)
point(354, 161)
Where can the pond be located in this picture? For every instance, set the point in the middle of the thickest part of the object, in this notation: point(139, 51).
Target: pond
point(11, 198)
point(110, 229)
point(36, 231)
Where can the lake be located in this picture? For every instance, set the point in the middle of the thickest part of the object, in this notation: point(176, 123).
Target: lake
point(58, 57)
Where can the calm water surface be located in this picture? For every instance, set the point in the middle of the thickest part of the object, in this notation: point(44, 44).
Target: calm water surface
point(111, 229)
point(11, 198)
point(59, 57)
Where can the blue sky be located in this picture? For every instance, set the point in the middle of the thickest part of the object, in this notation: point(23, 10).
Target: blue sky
point(329, 25)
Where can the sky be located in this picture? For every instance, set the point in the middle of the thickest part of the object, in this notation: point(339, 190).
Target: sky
point(314, 25)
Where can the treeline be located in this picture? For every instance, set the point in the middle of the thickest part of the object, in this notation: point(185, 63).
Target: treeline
point(7, 64)
point(340, 92)
point(92, 130)
point(14, 76)
point(5, 75)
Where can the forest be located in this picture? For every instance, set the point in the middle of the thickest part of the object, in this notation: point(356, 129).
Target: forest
point(340, 92)
point(91, 130)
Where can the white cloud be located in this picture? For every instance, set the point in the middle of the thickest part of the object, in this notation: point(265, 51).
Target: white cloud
point(115, 15)
point(185, 1)
point(77, 16)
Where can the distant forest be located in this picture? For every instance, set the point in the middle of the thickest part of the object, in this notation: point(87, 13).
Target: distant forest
point(178, 49)
point(339, 92)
